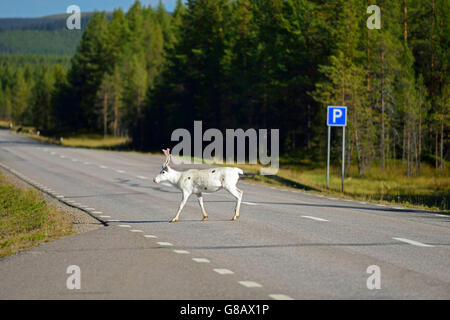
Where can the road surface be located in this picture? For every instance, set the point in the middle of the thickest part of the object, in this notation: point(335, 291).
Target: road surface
point(286, 245)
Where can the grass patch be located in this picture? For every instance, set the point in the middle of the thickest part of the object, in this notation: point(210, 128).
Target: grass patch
point(429, 190)
point(26, 220)
point(94, 141)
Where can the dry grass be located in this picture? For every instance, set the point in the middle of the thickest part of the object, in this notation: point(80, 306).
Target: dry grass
point(429, 190)
point(94, 141)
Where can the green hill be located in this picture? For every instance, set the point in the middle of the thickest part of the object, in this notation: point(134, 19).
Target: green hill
point(45, 35)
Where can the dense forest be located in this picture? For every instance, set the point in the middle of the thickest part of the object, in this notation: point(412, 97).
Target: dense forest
point(251, 64)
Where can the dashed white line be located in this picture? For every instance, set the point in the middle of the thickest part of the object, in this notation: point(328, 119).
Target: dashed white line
point(105, 216)
point(414, 243)
point(250, 284)
point(223, 271)
point(103, 167)
point(136, 231)
point(249, 203)
point(120, 171)
point(201, 260)
point(150, 236)
point(142, 177)
point(165, 244)
point(181, 251)
point(97, 212)
point(280, 297)
point(124, 226)
point(315, 218)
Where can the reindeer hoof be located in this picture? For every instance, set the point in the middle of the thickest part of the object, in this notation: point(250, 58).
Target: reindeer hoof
point(205, 218)
point(235, 218)
point(173, 220)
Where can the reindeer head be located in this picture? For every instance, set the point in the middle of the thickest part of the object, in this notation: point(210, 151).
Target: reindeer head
point(166, 172)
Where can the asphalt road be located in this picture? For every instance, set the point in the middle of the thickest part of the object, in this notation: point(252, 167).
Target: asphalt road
point(287, 244)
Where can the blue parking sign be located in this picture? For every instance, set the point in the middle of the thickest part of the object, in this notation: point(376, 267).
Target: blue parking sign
point(337, 116)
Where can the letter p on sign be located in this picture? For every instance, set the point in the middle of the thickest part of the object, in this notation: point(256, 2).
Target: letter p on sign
point(337, 116)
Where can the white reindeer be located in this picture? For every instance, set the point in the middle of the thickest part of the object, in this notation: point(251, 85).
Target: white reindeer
point(201, 181)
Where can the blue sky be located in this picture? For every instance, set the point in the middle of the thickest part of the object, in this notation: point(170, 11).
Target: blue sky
point(39, 8)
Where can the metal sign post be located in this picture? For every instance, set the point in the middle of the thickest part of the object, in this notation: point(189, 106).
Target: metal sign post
point(328, 157)
point(337, 117)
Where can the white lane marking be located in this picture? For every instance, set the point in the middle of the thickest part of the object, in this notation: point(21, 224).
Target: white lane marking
point(90, 209)
point(150, 236)
point(113, 220)
point(103, 167)
point(124, 226)
point(181, 251)
point(314, 218)
point(60, 196)
point(70, 201)
point(120, 171)
point(52, 153)
point(280, 297)
point(97, 212)
point(398, 208)
point(142, 177)
point(362, 202)
point(441, 215)
point(165, 244)
point(223, 271)
point(250, 284)
point(201, 260)
point(137, 231)
point(62, 157)
point(250, 203)
point(105, 216)
point(414, 243)
point(86, 163)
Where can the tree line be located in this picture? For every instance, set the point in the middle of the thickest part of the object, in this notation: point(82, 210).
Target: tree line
point(255, 64)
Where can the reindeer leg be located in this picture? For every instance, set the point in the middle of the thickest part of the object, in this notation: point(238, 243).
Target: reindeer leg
point(182, 204)
point(238, 195)
point(200, 201)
